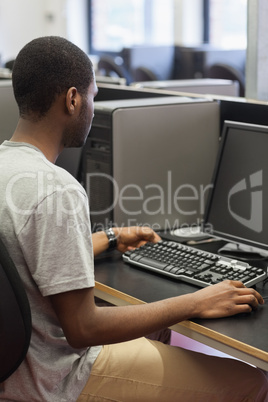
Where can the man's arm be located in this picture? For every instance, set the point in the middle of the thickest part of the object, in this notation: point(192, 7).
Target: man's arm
point(127, 238)
point(84, 324)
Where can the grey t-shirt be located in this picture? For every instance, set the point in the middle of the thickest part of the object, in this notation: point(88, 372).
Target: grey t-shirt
point(45, 225)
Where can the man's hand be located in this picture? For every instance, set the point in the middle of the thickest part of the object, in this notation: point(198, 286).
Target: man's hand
point(128, 238)
point(225, 299)
point(132, 237)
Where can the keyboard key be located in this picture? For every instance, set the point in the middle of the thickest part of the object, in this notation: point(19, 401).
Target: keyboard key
point(153, 263)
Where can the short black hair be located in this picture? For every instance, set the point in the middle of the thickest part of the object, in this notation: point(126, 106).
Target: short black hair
point(47, 67)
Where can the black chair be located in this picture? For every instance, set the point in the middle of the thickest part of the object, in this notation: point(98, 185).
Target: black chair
point(15, 317)
point(110, 68)
point(144, 74)
point(227, 72)
point(10, 64)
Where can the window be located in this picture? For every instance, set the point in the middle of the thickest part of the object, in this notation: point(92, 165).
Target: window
point(123, 23)
point(115, 24)
point(226, 23)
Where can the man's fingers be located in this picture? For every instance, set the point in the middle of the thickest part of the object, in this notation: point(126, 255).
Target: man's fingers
point(251, 291)
point(249, 299)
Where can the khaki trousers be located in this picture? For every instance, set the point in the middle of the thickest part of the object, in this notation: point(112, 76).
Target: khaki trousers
point(146, 370)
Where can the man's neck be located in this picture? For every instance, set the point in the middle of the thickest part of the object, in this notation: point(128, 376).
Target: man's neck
point(38, 135)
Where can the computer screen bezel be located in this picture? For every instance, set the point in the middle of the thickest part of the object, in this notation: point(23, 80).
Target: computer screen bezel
point(208, 226)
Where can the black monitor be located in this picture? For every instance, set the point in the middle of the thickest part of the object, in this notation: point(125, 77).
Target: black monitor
point(158, 59)
point(9, 112)
point(119, 92)
point(69, 159)
point(237, 209)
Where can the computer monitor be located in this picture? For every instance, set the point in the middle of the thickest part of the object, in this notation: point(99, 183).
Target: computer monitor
point(237, 208)
point(158, 59)
point(9, 112)
point(108, 92)
point(69, 159)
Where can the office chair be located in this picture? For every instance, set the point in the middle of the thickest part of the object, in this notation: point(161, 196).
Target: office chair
point(108, 65)
point(144, 74)
point(15, 317)
point(227, 72)
point(9, 64)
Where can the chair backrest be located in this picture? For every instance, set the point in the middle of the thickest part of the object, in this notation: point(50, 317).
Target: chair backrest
point(15, 317)
point(225, 71)
point(144, 74)
point(10, 64)
point(111, 68)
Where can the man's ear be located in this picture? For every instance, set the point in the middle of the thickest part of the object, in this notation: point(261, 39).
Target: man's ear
point(71, 100)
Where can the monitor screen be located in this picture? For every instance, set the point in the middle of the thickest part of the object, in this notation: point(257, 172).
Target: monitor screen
point(9, 112)
point(237, 208)
point(69, 159)
point(117, 92)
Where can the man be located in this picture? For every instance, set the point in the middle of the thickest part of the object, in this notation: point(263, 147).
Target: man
point(54, 87)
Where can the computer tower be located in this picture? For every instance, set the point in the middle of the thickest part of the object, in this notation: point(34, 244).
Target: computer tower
point(150, 161)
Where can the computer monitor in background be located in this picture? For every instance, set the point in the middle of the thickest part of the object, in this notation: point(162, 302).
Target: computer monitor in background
point(158, 59)
point(109, 92)
point(237, 209)
point(9, 112)
point(69, 159)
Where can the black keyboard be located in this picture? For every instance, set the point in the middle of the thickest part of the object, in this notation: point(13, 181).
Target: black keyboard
point(191, 265)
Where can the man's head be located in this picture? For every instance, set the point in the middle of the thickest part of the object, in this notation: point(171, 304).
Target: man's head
point(46, 68)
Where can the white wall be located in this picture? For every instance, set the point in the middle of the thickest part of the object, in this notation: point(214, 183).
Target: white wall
point(16, 27)
point(24, 20)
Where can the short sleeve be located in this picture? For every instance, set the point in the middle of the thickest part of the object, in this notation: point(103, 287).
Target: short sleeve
point(57, 242)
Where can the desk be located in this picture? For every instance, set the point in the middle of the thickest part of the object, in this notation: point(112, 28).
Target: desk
point(244, 337)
